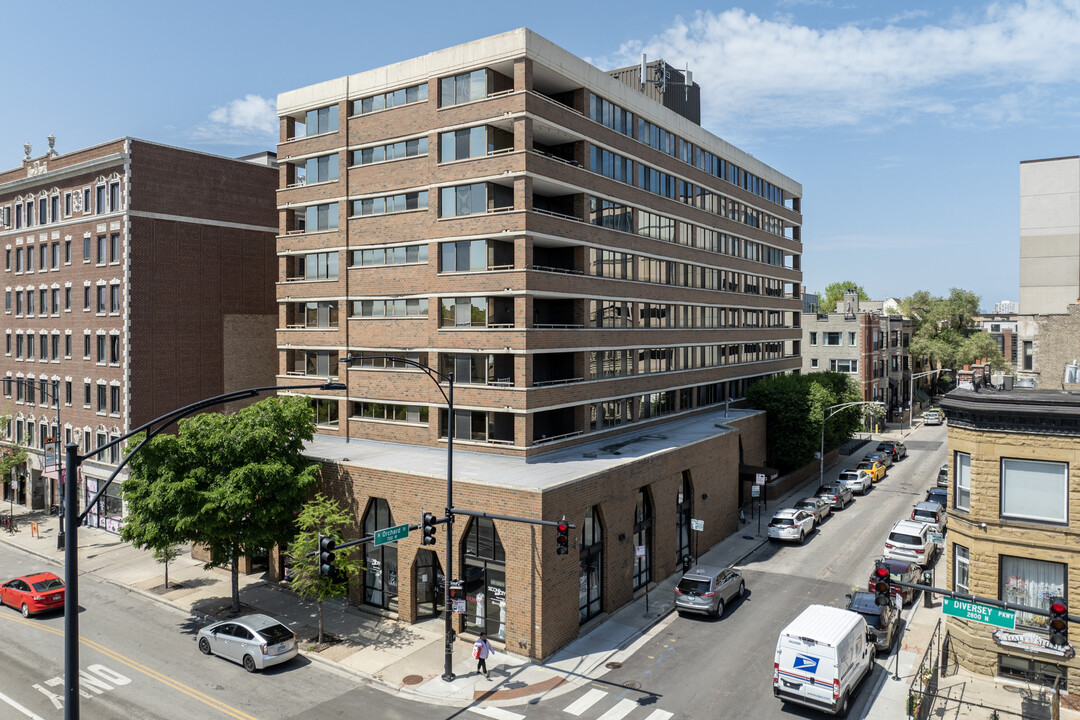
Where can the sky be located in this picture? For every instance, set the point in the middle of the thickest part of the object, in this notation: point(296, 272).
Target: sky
point(905, 125)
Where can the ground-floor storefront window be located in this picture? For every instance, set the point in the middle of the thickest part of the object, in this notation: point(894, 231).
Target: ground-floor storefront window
point(485, 580)
point(380, 563)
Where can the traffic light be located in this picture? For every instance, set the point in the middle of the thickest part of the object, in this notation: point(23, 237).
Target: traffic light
point(562, 541)
point(882, 588)
point(427, 529)
point(1059, 622)
point(326, 557)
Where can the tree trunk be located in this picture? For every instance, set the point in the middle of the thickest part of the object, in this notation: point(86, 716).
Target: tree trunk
point(236, 581)
point(166, 575)
point(320, 622)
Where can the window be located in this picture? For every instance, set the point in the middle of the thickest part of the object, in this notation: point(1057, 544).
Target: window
point(86, 346)
point(473, 143)
point(321, 217)
point(962, 473)
point(851, 339)
point(643, 522)
point(844, 366)
point(476, 255)
point(813, 362)
point(398, 255)
point(101, 250)
point(315, 362)
point(86, 200)
point(55, 256)
point(86, 249)
point(609, 164)
point(67, 204)
point(67, 252)
point(101, 198)
point(1034, 490)
point(390, 413)
point(611, 115)
point(380, 563)
point(29, 347)
point(114, 399)
point(114, 298)
point(464, 88)
point(606, 213)
point(102, 295)
point(86, 394)
point(114, 196)
point(18, 260)
point(86, 297)
point(101, 349)
point(29, 259)
point(417, 307)
point(1031, 582)
point(55, 293)
point(684, 511)
point(321, 169)
point(114, 248)
point(590, 593)
point(391, 203)
point(54, 208)
point(395, 98)
point(485, 579)
point(44, 254)
point(67, 299)
point(102, 397)
point(67, 394)
point(43, 211)
point(320, 314)
point(67, 346)
point(1029, 355)
point(474, 199)
point(831, 338)
point(114, 349)
point(961, 569)
point(56, 347)
point(326, 412)
point(29, 302)
point(392, 151)
point(322, 120)
point(319, 266)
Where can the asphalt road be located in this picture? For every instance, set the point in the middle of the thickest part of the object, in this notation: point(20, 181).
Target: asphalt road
point(697, 667)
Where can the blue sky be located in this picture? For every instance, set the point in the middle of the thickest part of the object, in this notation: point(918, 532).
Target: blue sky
point(906, 126)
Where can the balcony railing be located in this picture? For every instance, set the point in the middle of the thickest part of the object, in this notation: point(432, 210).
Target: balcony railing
point(552, 213)
point(563, 381)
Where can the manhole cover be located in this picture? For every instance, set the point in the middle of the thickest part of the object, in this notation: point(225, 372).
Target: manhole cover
point(632, 685)
point(412, 680)
point(613, 665)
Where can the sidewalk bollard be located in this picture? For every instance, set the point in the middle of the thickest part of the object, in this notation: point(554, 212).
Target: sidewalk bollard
point(34, 530)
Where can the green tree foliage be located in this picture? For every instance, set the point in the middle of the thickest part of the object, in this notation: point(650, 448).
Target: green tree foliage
point(794, 405)
point(834, 293)
point(232, 483)
point(10, 457)
point(944, 330)
point(325, 516)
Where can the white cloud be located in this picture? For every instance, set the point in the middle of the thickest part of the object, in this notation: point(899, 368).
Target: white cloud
point(247, 120)
point(774, 72)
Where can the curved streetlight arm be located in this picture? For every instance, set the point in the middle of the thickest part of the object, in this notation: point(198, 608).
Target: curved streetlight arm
point(825, 415)
point(431, 372)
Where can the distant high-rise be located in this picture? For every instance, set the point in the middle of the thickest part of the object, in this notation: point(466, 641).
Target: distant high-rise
point(1006, 307)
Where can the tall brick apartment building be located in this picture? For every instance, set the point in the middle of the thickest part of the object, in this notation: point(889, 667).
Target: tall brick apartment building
point(138, 276)
point(599, 273)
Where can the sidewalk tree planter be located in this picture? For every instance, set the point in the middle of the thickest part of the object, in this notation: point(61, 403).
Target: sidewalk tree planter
point(325, 516)
point(227, 482)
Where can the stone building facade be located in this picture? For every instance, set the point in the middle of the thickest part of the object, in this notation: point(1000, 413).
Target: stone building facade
point(1014, 522)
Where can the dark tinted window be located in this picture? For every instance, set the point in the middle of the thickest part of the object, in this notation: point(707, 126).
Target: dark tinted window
point(50, 584)
point(863, 603)
point(905, 539)
point(927, 515)
point(689, 586)
point(276, 633)
point(243, 633)
point(782, 521)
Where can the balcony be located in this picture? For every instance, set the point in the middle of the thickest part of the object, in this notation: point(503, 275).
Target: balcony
point(556, 313)
point(554, 369)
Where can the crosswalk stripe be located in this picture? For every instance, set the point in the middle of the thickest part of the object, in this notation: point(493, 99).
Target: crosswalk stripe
point(659, 715)
point(496, 713)
point(584, 702)
point(621, 710)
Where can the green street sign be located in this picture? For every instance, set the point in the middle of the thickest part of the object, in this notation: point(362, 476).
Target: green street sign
point(398, 532)
point(979, 613)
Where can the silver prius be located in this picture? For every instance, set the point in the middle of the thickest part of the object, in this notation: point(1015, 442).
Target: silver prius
point(254, 641)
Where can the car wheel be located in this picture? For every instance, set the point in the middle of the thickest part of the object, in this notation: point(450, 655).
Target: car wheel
point(25, 611)
point(802, 537)
point(719, 609)
point(249, 664)
point(742, 590)
point(204, 646)
point(841, 709)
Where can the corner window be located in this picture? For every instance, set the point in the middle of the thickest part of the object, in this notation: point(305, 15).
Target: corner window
point(962, 489)
point(322, 120)
point(1031, 582)
point(1029, 355)
point(464, 88)
point(1034, 490)
point(321, 217)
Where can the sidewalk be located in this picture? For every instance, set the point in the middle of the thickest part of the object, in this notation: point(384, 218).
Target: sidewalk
point(408, 659)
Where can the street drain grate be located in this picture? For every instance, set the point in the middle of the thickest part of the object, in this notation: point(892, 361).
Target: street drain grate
point(412, 680)
point(613, 665)
point(632, 685)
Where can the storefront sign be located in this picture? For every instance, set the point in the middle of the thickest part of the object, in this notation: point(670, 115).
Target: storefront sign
point(639, 551)
point(979, 613)
point(698, 525)
point(1030, 642)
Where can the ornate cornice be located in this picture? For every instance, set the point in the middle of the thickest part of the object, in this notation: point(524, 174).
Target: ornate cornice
point(1033, 412)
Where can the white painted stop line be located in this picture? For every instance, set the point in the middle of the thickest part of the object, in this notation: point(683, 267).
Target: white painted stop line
point(20, 708)
point(496, 713)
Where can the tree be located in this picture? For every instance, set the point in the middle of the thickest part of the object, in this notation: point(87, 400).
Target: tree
point(166, 555)
point(10, 457)
point(325, 516)
point(794, 405)
point(231, 483)
point(944, 331)
point(834, 293)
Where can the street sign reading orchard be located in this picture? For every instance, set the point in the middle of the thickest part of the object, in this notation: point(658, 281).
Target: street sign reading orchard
point(979, 613)
point(391, 534)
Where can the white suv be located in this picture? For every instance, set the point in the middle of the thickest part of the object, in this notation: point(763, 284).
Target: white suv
point(858, 480)
point(791, 524)
point(910, 540)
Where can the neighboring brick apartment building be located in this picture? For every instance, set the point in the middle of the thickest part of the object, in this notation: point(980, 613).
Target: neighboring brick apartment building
point(1014, 521)
point(600, 274)
point(140, 278)
point(868, 340)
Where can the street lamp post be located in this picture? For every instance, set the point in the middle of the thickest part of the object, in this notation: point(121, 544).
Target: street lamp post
point(435, 375)
point(911, 394)
point(74, 519)
point(54, 395)
point(825, 415)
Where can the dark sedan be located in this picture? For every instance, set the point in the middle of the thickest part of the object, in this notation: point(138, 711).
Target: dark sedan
point(903, 571)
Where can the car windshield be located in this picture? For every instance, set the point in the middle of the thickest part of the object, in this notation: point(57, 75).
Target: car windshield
point(276, 633)
point(826, 490)
point(690, 586)
point(863, 603)
point(905, 539)
point(49, 584)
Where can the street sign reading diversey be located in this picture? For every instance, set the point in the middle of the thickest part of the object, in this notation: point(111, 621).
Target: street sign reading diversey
point(979, 613)
point(398, 532)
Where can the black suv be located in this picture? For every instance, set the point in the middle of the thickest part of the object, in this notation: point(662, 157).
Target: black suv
point(894, 448)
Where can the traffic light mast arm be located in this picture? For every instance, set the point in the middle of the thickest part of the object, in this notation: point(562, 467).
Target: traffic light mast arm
point(992, 602)
point(514, 518)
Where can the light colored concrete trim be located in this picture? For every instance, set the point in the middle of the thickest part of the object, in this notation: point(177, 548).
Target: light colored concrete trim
point(201, 221)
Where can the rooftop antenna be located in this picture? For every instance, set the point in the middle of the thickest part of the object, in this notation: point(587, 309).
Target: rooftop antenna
point(660, 77)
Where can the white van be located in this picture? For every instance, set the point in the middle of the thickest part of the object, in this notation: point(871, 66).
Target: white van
point(821, 657)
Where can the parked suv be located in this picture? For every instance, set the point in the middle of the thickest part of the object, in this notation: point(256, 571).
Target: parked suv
point(903, 571)
point(707, 589)
point(932, 514)
point(910, 540)
point(882, 620)
point(791, 524)
point(895, 448)
point(858, 480)
point(884, 458)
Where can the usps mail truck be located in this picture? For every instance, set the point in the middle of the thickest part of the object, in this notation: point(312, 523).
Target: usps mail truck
point(821, 657)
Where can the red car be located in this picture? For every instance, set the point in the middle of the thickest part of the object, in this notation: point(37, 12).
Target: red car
point(33, 594)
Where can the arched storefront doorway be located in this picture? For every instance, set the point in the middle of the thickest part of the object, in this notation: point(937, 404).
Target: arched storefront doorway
point(591, 593)
point(643, 522)
point(381, 563)
point(429, 582)
point(485, 579)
